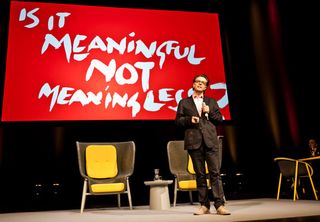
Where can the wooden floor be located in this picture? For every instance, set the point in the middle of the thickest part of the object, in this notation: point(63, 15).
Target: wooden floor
point(242, 210)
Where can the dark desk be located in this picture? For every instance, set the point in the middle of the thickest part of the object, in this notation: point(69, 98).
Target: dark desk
point(315, 168)
point(315, 162)
point(310, 158)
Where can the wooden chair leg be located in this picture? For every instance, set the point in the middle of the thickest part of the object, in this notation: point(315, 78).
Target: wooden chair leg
point(295, 182)
point(312, 185)
point(84, 194)
point(190, 197)
point(129, 195)
point(175, 192)
point(119, 200)
point(279, 186)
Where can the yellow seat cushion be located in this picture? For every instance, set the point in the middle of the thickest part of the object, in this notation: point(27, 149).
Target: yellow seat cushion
point(190, 184)
point(190, 166)
point(101, 161)
point(105, 188)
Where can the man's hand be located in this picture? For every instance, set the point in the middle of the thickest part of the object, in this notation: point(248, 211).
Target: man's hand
point(195, 119)
point(205, 108)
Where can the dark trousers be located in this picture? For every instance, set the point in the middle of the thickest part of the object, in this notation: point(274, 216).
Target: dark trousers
point(199, 156)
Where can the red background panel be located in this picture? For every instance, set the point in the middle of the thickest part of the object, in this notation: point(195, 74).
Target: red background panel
point(28, 69)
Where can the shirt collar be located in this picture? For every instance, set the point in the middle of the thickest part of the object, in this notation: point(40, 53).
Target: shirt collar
point(197, 97)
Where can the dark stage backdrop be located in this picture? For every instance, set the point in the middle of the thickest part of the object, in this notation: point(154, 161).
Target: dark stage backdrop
point(39, 124)
point(271, 76)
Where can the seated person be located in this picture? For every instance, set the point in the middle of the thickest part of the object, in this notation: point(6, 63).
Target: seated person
point(313, 147)
point(315, 151)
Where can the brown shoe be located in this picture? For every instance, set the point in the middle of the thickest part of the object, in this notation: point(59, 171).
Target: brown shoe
point(223, 211)
point(202, 210)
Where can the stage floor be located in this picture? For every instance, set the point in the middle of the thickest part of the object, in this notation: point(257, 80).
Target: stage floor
point(242, 210)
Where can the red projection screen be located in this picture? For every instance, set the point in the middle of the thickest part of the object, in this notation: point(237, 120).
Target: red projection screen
point(76, 62)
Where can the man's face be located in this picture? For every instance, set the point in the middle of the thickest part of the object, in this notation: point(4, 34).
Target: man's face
point(200, 84)
point(313, 144)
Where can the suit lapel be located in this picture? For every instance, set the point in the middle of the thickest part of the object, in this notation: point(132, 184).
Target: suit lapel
point(193, 106)
point(206, 100)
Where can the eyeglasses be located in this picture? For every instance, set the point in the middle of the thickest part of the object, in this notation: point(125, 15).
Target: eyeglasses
point(199, 81)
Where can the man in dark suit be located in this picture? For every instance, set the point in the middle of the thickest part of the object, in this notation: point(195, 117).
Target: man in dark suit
point(197, 115)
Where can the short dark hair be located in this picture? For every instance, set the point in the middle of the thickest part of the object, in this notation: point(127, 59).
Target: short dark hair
point(202, 75)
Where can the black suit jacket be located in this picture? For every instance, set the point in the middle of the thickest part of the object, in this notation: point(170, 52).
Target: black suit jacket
point(205, 129)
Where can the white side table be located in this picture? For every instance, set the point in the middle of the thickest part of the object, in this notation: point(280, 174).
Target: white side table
point(159, 194)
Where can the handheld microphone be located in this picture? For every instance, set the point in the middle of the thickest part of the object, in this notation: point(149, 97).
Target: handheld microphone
point(206, 114)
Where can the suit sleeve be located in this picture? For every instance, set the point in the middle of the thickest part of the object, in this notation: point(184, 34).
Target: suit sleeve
point(215, 114)
point(181, 118)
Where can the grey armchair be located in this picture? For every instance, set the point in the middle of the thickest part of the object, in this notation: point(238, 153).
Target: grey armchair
point(106, 168)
